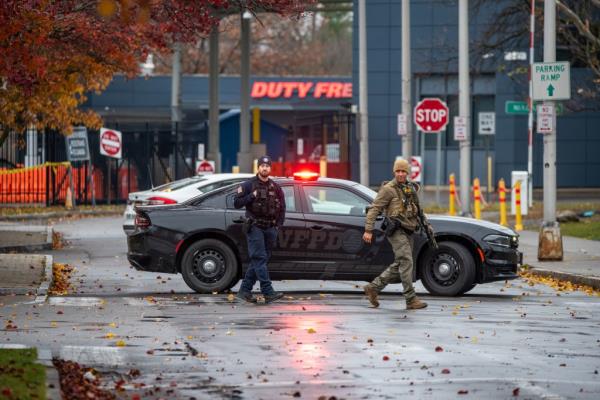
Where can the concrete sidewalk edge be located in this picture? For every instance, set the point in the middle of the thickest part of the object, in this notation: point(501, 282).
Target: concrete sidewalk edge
point(565, 276)
point(28, 248)
point(42, 291)
point(59, 214)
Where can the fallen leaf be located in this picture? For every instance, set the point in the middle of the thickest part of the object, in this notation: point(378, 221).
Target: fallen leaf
point(121, 343)
point(445, 371)
point(439, 349)
point(515, 391)
point(463, 391)
point(311, 330)
point(386, 358)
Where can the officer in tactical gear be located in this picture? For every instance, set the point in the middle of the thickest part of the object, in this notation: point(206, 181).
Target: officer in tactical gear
point(265, 213)
point(398, 200)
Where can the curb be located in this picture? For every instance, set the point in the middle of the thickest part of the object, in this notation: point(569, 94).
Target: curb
point(565, 276)
point(28, 248)
point(42, 290)
point(58, 214)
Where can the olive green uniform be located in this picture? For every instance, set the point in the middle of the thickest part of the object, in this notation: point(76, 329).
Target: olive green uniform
point(400, 201)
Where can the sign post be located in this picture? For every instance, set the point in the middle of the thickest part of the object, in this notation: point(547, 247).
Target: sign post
point(78, 149)
point(110, 146)
point(487, 127)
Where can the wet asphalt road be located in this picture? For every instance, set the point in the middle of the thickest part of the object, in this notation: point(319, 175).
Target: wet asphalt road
point(322, 340)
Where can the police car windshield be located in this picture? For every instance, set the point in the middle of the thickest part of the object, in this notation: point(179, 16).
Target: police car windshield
point(365, 190)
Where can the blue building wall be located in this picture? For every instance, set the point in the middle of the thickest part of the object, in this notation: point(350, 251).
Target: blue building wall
point(434, 57)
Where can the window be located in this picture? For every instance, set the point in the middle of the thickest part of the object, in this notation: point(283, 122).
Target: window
point(334, 200)
point(216, 185)
point(290, 199)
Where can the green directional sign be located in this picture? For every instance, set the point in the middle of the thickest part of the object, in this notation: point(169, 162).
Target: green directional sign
point(551, 81)
point(516, 107)
point(520, 108)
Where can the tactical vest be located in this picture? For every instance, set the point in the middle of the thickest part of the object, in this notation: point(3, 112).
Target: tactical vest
point(266, 207)
point(408, 216)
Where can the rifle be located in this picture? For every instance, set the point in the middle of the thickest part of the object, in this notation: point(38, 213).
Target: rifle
point(427, 229)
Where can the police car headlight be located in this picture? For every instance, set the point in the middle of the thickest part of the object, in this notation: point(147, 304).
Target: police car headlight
point(499, 240)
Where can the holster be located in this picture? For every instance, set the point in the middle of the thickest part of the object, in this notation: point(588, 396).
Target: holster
point(389, 226)
point(248, 225)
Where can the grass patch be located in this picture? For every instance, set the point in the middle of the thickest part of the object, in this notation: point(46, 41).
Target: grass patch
point(585, 229)
point(20, 376)
point(9, 211)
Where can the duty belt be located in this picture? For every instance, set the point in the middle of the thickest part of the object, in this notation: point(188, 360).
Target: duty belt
point(264, 223)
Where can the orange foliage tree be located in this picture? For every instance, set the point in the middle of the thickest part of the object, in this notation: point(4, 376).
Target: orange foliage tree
point(54, 52)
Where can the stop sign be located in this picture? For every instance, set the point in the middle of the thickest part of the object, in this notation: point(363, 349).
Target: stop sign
point(431, 115)
point(110, 143)
point(205, 167)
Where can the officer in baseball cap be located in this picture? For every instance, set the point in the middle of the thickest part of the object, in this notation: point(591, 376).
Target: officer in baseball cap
point(265, 213)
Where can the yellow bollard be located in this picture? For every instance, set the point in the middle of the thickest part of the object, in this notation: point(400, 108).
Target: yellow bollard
point(452, 195)
point(69, 199)
point(235, 169)
point(255, 166)
point(502, 199)
point(323, 166)
point(518, 220)
point(477, 198)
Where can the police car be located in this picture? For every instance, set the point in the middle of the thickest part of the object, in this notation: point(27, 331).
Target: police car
point(176, 192)
point(203, 239)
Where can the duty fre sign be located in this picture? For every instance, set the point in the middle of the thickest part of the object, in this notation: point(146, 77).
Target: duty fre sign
point(546, 118)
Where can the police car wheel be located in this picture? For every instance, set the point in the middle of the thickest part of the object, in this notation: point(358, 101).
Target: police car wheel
point(209, 265)
point(449, 270)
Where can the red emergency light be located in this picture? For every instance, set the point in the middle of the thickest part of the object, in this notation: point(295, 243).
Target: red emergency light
point(306, 176)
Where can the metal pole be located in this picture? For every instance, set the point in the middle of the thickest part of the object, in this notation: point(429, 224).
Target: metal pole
point(244, 156)
point(464, 99)
point(406, 81)
point(214, 152)
point(363, 93)
point(550, 139)
point(175, 112)
point(530, 104)
point(438, 167)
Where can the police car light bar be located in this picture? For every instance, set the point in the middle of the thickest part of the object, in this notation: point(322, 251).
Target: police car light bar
point(306, 176)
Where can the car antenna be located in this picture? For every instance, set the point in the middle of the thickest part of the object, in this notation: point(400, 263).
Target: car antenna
point(150, 175)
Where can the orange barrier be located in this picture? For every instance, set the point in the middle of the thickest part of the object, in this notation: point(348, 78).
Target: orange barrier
point(502, 199)
point(45, 183)
point(452, 195)
point(477, 198)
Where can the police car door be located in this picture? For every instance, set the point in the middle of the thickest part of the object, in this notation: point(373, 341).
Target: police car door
point(289, 249)
point(335, 222)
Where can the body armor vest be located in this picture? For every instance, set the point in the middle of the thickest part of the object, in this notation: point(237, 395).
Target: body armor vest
point(266, 207)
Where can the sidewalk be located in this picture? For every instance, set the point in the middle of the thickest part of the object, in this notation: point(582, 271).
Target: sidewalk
point(24, 238)
point(25, 274)
point(580, 264)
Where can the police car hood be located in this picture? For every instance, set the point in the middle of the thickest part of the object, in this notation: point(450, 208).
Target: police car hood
point(475, 223)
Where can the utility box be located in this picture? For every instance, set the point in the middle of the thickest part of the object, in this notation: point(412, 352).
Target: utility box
point(522, 176)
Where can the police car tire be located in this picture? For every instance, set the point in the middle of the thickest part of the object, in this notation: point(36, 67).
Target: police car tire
point(217, 252)
point(462, 264)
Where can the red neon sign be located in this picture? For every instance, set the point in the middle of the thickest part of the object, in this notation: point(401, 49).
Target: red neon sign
point(274, 90)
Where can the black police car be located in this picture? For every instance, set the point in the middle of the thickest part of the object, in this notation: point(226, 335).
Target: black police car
point(203, 239)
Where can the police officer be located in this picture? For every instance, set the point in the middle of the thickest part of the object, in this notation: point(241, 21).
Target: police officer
point(265, 213)
point(398, 199)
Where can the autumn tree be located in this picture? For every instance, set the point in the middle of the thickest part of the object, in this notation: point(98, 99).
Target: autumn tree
point(578, 29)
point(54, 52)
point(319, 45)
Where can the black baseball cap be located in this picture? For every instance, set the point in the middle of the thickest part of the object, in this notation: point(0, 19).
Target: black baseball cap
point(264, 160)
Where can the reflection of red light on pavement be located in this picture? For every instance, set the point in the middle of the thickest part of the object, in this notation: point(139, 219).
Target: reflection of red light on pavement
point(309, 352)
